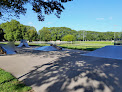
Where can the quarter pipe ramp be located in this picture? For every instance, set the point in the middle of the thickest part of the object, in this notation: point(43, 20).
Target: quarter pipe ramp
point(114, 52)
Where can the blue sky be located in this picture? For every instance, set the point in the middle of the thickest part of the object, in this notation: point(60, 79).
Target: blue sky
point(94, 15)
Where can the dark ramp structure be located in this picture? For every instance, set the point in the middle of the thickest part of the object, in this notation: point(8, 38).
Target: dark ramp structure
point(2, 51)
point(8, 48)
point(49, 48)
point(114, 52)
point(23, 43)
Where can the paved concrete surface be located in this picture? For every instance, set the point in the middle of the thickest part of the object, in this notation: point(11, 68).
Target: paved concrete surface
point(64, 71)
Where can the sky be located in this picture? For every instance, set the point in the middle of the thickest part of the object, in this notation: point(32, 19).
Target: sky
point(90, 15)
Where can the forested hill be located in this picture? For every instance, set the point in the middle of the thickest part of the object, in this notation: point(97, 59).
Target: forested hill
point(14, 31)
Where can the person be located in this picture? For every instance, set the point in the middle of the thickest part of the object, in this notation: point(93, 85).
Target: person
point(2, 51)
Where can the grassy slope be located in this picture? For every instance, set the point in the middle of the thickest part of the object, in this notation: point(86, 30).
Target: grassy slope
point(9, 83)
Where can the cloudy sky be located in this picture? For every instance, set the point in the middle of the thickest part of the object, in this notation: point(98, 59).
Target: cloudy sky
point(94, 15)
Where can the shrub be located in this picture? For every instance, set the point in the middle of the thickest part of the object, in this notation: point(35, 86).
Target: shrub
point(68, 38)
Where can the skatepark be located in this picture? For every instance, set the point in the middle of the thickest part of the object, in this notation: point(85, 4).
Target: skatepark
point(65, 70)
point(60, 46)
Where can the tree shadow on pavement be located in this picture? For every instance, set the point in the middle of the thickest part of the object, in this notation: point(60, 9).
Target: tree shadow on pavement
point(77, 73)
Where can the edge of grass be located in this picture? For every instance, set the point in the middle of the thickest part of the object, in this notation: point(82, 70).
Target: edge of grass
point(8, 83)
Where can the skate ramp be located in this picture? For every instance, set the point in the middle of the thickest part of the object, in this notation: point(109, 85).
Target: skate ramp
point(23, 43)
point(114, 52)
point(46, 48)
point(26, 44)
point(20, 45)
point(9, 48)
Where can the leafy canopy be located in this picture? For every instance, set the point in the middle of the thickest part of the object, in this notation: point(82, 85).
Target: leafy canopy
point(69, 38)
point(44, 34)
point(14, 31)
point(41, 7)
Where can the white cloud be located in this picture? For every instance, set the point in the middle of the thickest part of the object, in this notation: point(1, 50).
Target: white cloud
point(30, 23)
point(99, 18)
point(49, 23)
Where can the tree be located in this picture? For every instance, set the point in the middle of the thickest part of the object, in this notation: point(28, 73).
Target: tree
point(10, 29)
point(44, 34)
point(81, 35)
point(14, 31)
point(68, 38)
point(32, 35)
point(58, 32)
point(41, 7)
point(1, 34)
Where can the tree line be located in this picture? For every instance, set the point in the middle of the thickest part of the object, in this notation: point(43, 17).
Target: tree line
point(14, 31)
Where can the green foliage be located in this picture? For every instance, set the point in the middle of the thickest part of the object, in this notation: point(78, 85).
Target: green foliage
point(56, 32)
point(9, 83)
point(10, 29)
point(44, 34)
point(81, 35)
point(99, 36)
point(32, 35)
point(87, 45)
point(68, 38)
point(14, 31)
point(17, 7)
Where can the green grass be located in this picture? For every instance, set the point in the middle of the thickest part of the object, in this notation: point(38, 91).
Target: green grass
point(3, 42)
point(9, 83)
point(80, 47)
point(33, 44)
point(93, 42)
point(87, 45)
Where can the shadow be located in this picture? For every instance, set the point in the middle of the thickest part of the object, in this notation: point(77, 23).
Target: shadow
point(41, 54)
point(7, 81)
point(85, 49)
point(76, 73)
point(27, 51)
point(45, 54)
point(2, 55)
point(91, 49)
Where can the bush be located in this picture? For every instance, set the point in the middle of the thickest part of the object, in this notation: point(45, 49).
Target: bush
point(68, 38)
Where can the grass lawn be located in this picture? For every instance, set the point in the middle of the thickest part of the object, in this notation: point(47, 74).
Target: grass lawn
point(80, 47)
point(93, 42)
point(3, 42)
point(33, 44)
point(9, 83)
point(87, 45)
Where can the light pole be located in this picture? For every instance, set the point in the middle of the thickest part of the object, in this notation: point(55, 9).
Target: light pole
point(114, 33)
point(83, 35)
